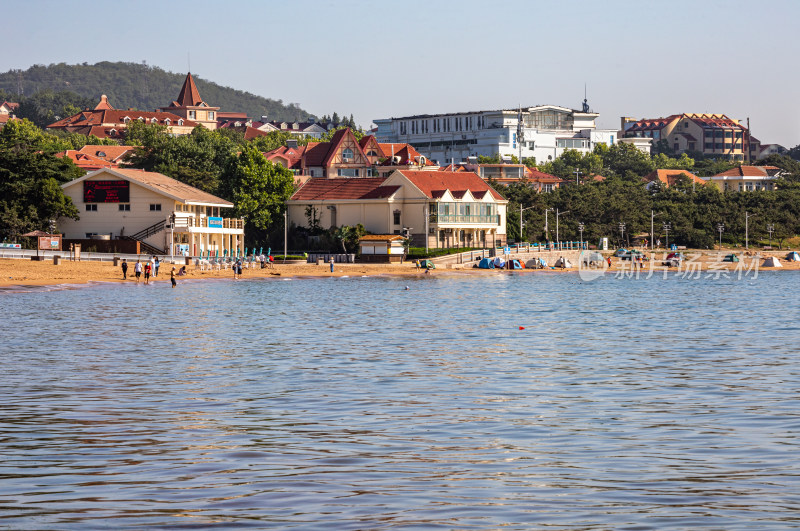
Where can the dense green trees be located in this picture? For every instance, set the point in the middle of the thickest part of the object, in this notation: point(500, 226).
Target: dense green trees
point(31, 179)
point(692, 211)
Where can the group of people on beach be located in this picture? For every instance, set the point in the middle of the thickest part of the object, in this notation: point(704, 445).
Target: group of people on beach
point(149, 269)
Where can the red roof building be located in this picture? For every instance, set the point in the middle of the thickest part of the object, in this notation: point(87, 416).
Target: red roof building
point(713, 135)
point(104, 121)
point(438, 209)
point(190, 106)
point(747, 178)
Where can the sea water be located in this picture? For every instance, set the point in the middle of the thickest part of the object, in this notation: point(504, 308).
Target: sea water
point(463, 402)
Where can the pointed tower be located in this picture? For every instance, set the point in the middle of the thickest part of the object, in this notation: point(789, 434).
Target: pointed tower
point(191, 106)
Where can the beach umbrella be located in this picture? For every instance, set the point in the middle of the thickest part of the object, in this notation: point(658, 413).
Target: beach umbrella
point(260, 251)
point(216, 254)
point(245, 250)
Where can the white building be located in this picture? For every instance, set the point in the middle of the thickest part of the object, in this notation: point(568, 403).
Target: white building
point(135, 205)
point(548, 130)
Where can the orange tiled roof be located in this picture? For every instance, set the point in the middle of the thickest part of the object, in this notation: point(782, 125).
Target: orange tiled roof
point(85, 161)
point(750, 171)
point(430, 182)
point(113, 154)
point(318, 189)
point(670, 177)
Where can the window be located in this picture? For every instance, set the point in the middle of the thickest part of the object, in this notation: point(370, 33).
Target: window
point(153, 120)
point(347, 154)
point(192, 115)
point(396, 217)
point(676, 147)
point(155, 207)
point(180, 122)
point(91, 207)
point(124, 207)
point(126, 119)
point(347, 172)
point(210, 115)
point(167, 121)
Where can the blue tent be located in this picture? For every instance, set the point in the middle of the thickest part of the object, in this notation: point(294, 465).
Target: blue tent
point(793, 257)
point(486, 263)
point(516, 264)
point(499, 262)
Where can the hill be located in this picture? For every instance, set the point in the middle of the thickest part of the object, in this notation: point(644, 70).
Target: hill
point(139, 86)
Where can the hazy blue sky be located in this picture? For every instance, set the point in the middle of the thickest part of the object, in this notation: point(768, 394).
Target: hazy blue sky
point(377, 59)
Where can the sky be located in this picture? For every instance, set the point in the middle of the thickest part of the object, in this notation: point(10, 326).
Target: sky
point(380, 59)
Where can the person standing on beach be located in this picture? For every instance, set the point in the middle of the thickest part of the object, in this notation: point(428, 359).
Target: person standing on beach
point(137, 269)
point(124, 269)
point(331, 261)
point(172, 277)
point(235, 268)
point(147, 269)
point(155, 268)
point(239, 268)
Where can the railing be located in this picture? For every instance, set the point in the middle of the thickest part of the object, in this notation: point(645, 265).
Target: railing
point(155, 228)
point(465, 218)
point(227, 223)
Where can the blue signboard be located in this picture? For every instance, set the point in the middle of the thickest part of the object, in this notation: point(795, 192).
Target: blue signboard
point(215, 223)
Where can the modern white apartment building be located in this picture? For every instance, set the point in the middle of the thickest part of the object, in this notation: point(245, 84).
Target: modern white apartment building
point(547, 131)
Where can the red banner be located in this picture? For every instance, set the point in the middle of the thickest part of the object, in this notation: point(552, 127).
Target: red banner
point(106, 192)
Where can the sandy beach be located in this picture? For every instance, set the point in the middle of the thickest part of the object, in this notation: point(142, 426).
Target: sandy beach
point(15, 272)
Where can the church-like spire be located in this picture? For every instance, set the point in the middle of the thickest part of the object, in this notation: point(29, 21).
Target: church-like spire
point(189, 96)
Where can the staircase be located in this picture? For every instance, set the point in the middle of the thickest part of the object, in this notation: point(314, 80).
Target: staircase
point(146, 248)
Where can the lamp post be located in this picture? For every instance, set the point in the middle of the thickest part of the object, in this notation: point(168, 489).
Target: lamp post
point(721, 229)
point(558, 240)
point(667, 228)
point(770, 229)
point(546, 225)
point(285, 235)
point(622, 232)
point(747, 217)
point(580, 228)
point(577, 173)
point(521, 210)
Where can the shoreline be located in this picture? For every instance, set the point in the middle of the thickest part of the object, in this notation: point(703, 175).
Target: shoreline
point(19, 273)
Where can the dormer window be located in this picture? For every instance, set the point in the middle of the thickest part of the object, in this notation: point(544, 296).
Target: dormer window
point(126, 119)
point(140, 119)
point(167, 121)
point(113, 132)
point(180, 122)
point(347, 155)
point(153, 120)
point(237, 124)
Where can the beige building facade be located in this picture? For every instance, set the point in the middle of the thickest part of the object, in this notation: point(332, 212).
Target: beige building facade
point(437, 209)
point(165, 215)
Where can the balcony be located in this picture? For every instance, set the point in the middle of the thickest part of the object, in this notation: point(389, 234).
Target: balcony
point(203, 222)
point(493, 219)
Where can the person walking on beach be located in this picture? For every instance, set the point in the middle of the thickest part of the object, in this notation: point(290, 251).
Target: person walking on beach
point(172, 277)
point(137, 269)
point(147, 269)
point(331, 261)
point(156, 265)
point(124, 269)
point(239, 268)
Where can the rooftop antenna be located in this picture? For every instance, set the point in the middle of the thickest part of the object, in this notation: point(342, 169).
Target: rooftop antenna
point(585, 100)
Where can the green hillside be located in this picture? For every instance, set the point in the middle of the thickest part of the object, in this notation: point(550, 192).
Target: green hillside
point(139, 86)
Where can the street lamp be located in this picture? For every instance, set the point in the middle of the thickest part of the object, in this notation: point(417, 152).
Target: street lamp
point(546, 225)
point(622, 232)
point(667, 228)
point(746, 218)
point(577, 173)
point(770, 229)
point(521, 210)
point(721, 229)
point(558, 241)
point(580, 228)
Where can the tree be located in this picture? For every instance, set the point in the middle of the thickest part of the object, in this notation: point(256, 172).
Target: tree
point(259, 190)
point(30, 181)
point(349, 236)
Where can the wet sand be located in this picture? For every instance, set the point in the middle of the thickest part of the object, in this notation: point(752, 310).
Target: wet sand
point(15, 272)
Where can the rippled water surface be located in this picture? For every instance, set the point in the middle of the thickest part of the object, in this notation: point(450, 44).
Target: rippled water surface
point(357, 404)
